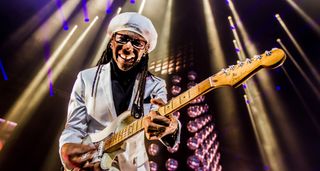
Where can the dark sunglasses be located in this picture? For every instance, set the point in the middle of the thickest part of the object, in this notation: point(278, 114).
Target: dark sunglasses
point(124, 39)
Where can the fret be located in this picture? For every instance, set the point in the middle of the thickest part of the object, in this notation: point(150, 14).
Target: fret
point(130, 129)
point(135, 126)
point(204, 86)
point(161, 110)
point(138, 124)
point(168, 107)
point(141, 124)
point(176, 103)
point(183, 97)
point(193, 92)
point(125, 132)
point(116, 137)
point(120, 135)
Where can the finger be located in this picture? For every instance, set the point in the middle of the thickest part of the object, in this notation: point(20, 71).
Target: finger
point(76, 169)
point(161, 120)
point(153, 127)
point(159, 102)
point(152, 136)
point(80, 159)
point(97, 167)
point(88, 165)
point(81, 149)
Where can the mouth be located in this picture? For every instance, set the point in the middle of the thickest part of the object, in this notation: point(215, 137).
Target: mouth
point(126, 60)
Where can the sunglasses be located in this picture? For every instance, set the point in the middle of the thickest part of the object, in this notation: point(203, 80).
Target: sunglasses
point(124, 39)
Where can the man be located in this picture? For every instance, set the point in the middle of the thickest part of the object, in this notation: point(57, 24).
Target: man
point(119, 82)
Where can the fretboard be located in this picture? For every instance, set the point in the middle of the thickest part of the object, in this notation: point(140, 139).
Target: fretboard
point(186, 97)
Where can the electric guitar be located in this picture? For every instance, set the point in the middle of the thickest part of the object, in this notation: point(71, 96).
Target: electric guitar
point(111, 140)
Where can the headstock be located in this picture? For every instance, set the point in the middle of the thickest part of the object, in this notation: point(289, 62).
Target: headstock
point(234, 75)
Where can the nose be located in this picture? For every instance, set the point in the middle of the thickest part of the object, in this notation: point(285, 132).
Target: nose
point(127, 48)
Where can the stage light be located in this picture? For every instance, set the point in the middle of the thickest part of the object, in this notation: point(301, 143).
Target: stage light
point(302, 72)
point(217, 57)
point(193, 143)
point(85, 11)
point(236, 42)
point(192, 75)
point(119, 10)
point(198, 100)
point(66, 27)
point(171, 164)
point(173, 149)
point(305, 16)
point(176, 79)
point(108, 7)
point(175, 90)
point(5, 77)
point(153, 166)
point(153, 149)
point(20, 111)
point(50, 27)
point(47, 56)
point(264, 132)
point(193, 162)
point(64, 21)
point(305, 58)
point(142, 6)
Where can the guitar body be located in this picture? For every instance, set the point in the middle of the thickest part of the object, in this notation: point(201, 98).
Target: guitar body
point(106, 156)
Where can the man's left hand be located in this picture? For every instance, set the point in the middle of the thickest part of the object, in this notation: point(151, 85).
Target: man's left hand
point(157, 126)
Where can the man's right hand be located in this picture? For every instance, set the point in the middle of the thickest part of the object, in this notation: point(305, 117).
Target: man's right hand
point(73, 155)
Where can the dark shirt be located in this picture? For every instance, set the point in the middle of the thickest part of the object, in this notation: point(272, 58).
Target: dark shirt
point(122, 86)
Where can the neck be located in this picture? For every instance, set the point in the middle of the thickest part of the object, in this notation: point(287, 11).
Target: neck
point(124, 75)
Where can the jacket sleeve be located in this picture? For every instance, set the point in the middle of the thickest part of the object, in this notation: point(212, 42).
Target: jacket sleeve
point(160, 91)
point(76, 124)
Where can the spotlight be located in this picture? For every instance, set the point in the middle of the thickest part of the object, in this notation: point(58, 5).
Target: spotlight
point(171, 164)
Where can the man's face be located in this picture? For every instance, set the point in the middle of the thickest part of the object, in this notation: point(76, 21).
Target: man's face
point(127, 49)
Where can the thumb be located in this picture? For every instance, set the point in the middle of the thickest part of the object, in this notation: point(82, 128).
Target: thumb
point(159, 102)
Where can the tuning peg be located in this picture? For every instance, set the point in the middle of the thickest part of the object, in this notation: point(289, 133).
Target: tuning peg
point(268, 53)
point(248, 60)
point(225, 71)
point(240, 64)
point(231, 67)
point(257, 57)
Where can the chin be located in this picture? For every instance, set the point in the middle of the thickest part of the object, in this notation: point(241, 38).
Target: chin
point(125, 68)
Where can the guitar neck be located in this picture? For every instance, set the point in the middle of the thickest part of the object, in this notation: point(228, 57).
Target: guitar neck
point(185, 98)
point(124, 134)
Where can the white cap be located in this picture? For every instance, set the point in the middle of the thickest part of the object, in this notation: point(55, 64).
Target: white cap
point(134, 22)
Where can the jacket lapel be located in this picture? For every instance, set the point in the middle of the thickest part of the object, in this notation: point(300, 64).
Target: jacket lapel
point(107, 88)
